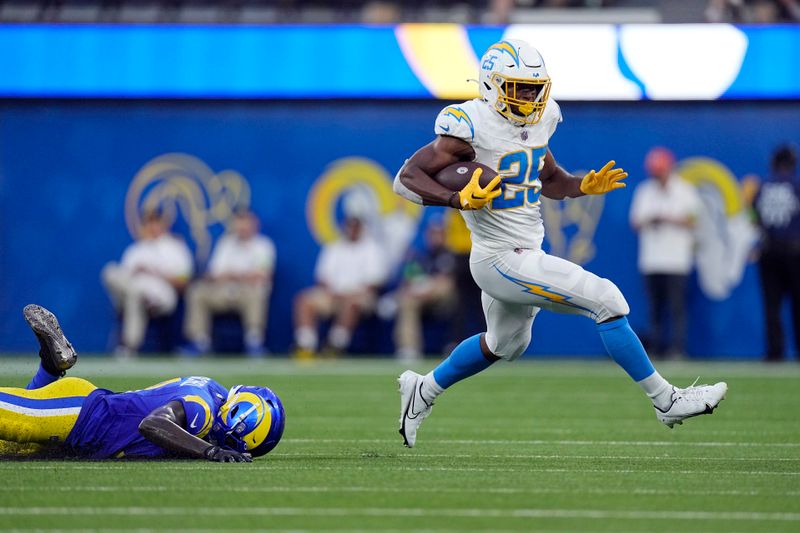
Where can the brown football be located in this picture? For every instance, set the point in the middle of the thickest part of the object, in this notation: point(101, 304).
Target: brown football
point(457, 175)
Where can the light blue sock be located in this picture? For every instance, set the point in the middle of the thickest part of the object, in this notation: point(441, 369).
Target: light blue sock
point(625, 348)
point(466, 360)
point(41, 379)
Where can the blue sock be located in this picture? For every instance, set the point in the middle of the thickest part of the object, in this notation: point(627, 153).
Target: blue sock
point(625, 348)
point(466, 360)
point(42, 378)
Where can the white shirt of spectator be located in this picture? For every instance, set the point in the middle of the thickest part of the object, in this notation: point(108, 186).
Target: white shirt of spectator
point(234, 256)
point(168, 256)
point(665, 248)
point(348, 267)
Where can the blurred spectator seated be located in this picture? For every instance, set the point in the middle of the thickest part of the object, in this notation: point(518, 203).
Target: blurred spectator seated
point(348, 272)
point(493, 12)
point(468, 318)
point(148, 279)
point(239, 280)
point(753, 11)
point(427, 290)
point(380, 12)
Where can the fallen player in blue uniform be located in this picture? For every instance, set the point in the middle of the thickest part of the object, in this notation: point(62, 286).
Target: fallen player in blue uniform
point(192, 417)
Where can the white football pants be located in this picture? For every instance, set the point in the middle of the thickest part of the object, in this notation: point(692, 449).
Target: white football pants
point(516, 284)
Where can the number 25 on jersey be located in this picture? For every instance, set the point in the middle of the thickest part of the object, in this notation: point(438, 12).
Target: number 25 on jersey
point(520, 171)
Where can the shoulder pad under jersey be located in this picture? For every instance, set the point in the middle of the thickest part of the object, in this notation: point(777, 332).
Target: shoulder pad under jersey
point(456, 121)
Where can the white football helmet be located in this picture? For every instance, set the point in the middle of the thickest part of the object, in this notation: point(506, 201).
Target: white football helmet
point(510, 69)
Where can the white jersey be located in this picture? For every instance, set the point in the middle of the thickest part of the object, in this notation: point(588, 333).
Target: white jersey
point(512, 220)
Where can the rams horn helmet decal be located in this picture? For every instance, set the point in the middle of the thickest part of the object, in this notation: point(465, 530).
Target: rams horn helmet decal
point(251, 420)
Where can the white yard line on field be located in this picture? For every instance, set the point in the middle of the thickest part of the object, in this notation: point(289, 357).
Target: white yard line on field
point(251, 530)
point(399, 512)
point(269, 466)
point(719, 444)
point(395, 490)
point(356, 455)
point(316, 530)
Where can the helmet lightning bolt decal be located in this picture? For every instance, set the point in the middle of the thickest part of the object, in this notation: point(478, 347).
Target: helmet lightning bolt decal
point(543, 291)
point(505, 46)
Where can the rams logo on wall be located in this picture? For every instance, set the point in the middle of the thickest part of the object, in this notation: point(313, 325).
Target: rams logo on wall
point(724, 234)
point(360, 187)
point(355, 185)
point(182, 186)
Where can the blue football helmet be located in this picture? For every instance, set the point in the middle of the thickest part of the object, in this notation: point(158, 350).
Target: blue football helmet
point(251, 420)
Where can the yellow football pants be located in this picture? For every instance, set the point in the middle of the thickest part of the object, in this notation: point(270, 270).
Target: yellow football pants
point(42, 415)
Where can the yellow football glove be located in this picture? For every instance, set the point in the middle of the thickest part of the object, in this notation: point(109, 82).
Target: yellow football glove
point(473, 196)
point(605, 180)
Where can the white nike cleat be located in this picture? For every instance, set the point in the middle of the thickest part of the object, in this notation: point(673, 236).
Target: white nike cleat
point(413, 409)
point(692, 401)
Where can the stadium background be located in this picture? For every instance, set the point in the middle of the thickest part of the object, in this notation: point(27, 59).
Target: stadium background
point(86, 109)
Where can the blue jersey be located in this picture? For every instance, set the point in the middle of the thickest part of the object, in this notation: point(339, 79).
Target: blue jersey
point(108, 423)
point(778, 207)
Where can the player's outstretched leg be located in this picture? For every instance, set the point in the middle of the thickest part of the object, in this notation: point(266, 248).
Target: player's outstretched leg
point(44, 415)
point(417, 392)
point(672, 405)
point(56, 352)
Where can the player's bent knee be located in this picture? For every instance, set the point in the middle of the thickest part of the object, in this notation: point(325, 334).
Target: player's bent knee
point(510, 348)
point(611, 302)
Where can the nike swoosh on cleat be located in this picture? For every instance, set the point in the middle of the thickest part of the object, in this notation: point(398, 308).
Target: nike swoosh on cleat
point(411, 404)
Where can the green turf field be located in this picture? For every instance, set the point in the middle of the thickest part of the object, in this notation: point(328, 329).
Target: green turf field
point(534, 445)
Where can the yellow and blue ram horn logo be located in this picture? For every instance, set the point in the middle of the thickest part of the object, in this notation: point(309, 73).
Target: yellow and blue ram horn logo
point(505, 46)
point(460, 115)
point(251, 420)
point(183, 186)
point(258, 421)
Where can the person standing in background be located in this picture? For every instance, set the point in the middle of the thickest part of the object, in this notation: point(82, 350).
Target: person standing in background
point(777, 209)
point(147, 280)
point(663, 213)
point(239, 279)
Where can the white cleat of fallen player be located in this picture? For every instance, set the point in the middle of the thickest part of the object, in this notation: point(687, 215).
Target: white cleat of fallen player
point(413, 409)
point(692, 401)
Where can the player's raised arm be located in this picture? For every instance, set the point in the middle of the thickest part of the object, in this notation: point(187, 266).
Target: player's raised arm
point(165, 428)
point(414, 180)
point(558, 184)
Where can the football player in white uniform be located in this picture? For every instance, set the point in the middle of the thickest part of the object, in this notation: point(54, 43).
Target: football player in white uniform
point(508, 129)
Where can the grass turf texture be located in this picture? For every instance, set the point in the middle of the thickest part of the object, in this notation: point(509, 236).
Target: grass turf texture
point(534, 445)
